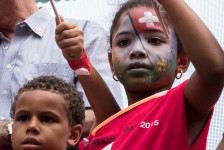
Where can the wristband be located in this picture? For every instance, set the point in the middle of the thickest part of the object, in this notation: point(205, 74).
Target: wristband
point(81, 66)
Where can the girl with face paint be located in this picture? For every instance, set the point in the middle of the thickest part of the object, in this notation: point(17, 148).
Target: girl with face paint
point(146, 62)
point(143, 59)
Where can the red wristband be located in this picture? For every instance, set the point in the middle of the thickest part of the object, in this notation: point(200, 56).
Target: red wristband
point(81, 66)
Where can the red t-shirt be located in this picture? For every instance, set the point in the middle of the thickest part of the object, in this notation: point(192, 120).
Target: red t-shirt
point(154, 123)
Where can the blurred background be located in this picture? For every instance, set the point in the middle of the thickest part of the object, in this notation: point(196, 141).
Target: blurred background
point(102, 11)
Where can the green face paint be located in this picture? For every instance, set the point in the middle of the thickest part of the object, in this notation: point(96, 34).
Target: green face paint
point(143, 59)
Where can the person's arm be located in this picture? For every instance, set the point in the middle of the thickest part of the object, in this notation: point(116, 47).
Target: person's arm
point(97, 45)
point(207, 56)
point(206, 83)
point(70, 40)
point(101, 100)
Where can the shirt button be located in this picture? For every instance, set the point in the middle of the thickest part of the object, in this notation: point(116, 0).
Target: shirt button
point(38, 31)
point(5, 92)
point(8, 66)
point(22, 25)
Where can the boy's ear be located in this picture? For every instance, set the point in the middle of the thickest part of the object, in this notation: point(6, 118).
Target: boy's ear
point(110, 61)
point(183, 63)
point(76, 132)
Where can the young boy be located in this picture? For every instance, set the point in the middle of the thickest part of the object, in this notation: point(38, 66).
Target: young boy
point(48, 114)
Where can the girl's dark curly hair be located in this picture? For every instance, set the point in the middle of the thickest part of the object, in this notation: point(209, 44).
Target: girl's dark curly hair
point(74, 102)
point(136, 3)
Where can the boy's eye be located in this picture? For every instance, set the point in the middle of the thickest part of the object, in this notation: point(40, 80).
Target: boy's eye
point(155, 41)
point(47, 119)
point(22, 118)
point(124, 42)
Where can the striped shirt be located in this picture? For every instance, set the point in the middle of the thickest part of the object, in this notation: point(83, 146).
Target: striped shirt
point(34, 52)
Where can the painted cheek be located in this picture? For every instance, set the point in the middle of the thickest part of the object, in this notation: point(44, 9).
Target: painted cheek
point(172, 55)
point(166, 64)
point(167, 60)
point(117, 65)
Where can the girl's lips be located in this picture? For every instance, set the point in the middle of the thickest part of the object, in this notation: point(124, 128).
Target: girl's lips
point(139, 65)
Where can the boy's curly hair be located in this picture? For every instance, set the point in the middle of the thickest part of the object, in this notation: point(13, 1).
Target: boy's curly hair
point(73, 99)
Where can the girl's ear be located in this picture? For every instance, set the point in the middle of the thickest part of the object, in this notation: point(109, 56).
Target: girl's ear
point(110, 61)
point(183, 62)
point(75, 135)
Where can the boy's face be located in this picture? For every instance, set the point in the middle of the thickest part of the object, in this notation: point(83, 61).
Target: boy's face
point(143, 58)
point(40, 122)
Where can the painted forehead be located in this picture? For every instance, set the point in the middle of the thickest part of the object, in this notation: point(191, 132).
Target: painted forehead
point(144, 18)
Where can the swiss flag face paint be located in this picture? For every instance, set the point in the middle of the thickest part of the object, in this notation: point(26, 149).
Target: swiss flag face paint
point(141, 53)
point(144, 19)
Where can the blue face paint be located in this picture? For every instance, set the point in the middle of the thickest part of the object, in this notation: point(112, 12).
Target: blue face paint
point(142, 55)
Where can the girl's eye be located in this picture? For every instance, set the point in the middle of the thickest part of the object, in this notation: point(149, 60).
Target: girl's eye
point(47, 119)
point(124, 42)
point(155, 41)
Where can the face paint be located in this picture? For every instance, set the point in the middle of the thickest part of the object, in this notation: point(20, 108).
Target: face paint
point(141, 54)
point(144, 19)
point(165, 64)
point(117, 65)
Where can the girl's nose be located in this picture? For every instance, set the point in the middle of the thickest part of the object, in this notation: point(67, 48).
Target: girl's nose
point(138, 53)
point(138, 50)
